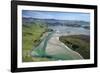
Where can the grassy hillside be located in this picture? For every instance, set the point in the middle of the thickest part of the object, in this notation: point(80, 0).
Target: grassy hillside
point(31, 35)
point(78, 43)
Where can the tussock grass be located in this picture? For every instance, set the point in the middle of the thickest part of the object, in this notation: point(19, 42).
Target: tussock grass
point(78, 43)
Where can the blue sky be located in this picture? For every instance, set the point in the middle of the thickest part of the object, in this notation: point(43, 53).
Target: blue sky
point(56, 15)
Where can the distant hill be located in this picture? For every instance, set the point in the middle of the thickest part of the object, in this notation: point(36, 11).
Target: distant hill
point(55, 22)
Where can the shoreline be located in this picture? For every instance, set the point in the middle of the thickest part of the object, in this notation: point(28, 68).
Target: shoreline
point(54, 41)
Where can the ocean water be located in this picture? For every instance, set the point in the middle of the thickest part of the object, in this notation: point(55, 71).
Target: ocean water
point(66, 30)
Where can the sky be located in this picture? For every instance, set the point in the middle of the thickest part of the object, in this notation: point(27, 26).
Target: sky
point(56, 15)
